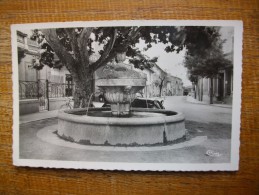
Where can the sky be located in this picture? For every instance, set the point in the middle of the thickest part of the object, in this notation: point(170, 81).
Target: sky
point(169, 62)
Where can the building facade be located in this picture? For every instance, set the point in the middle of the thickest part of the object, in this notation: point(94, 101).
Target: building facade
point(43, 89)
point(174, 86)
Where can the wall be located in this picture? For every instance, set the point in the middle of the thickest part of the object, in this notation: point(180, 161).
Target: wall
point(29, 106)
point(27, 181)
point(174, 86)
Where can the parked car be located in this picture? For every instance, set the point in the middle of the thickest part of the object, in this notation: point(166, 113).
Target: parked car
point(147, 103)
point(144, 103)
point(186, 92)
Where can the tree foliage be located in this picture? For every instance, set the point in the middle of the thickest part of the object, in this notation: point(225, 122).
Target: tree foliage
point(108, 41)
point(206, 58)
point(111, 40)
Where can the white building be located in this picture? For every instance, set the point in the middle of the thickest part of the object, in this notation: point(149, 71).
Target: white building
point(43, 89)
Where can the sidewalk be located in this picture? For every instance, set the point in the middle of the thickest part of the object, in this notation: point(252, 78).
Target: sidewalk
point(38, 116)
point(192, 100)
point(45, 114)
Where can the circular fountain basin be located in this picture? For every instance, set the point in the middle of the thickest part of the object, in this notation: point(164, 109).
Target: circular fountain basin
point(144, 127)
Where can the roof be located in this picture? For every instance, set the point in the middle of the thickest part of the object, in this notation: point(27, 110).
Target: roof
point(21, 34)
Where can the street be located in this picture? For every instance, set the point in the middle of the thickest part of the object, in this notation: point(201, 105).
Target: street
point(198, 112)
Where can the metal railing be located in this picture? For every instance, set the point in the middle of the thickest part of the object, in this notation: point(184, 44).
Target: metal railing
point(37, 89)
point(28, 90)
point(60, 90)
point(43, 90)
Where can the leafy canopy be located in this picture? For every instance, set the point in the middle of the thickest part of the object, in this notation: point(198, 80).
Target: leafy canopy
point(102, 43)
point(206, 58)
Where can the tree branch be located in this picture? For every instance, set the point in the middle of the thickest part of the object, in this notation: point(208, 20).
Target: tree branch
point(52, 39)
point(75, 48)
point(106, 57)
point(105, 61)
point(82, 42)
point(133, 34)
point(107, 51)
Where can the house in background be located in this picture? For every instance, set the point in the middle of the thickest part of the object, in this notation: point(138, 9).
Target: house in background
point(157, 78)
point(174, 86)
point(43, 89)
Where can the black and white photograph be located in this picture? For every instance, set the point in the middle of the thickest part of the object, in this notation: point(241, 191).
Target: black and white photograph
point(155, 95)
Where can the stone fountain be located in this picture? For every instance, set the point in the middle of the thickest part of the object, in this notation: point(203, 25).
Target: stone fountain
point(121, 125)
point(120, 85)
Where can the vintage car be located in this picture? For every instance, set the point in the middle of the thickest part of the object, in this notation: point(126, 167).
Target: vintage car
point(144, 103)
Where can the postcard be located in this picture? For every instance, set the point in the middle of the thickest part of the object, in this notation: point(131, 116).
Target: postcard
point(148, 95)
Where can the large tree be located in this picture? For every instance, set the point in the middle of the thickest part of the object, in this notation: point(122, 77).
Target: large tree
point(75, 47)
point(206, 63)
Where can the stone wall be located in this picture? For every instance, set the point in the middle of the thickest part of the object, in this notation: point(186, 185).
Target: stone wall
point(29, 106)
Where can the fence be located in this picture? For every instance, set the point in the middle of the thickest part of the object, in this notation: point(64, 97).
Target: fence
point(28, 90)
point(43, 90)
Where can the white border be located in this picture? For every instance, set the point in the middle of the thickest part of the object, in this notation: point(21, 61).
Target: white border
point(236, 108)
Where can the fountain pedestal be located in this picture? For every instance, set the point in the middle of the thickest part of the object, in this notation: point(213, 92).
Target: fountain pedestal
point(120, 109)
point(120, 84)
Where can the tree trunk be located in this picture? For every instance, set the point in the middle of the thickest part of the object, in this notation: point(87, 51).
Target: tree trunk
point(211, 91)
point(83, 91)
point(202, 89)
point(195, 90)
point(79, 68)
point(199, 90)
point(160, 90)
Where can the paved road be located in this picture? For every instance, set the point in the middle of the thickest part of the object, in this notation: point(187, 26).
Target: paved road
point(198, 112)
